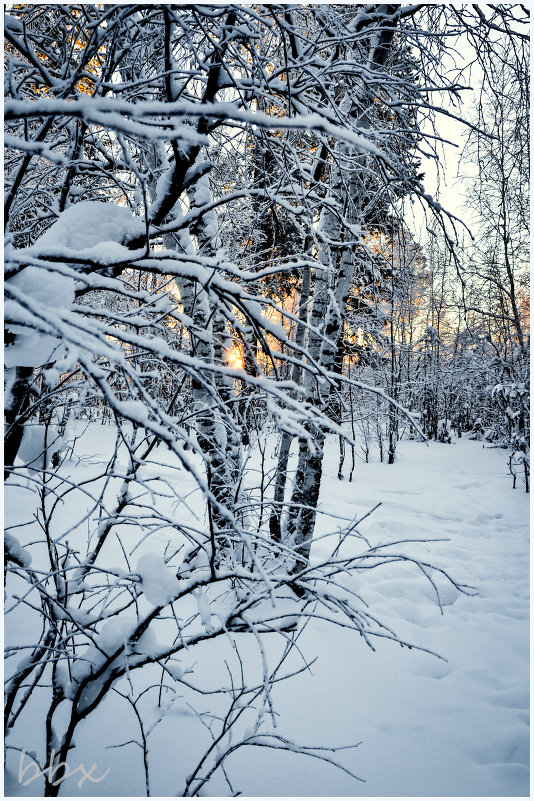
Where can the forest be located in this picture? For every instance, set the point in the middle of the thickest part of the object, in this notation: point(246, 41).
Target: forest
point(266, 279)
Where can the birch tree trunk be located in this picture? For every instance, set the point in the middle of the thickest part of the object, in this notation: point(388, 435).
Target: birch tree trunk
point(217, 429)
point(326, 319)
point(306, 290)
point(340, 231)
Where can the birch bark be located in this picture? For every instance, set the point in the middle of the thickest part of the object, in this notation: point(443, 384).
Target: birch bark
point(340, 231)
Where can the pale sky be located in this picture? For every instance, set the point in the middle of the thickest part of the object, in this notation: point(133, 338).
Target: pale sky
point(445, 185)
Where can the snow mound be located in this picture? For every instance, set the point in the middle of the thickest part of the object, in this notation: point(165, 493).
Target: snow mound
point(38, 444)
point(114, 634)
point(89, 223)
point(15, 550)
point(30, 349)
point(158, 584)
point(92, 228)
point(49, 288)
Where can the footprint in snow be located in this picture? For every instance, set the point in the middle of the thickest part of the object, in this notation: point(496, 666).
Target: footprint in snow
point(429, 667)
point(511, 746)
point(486, 518)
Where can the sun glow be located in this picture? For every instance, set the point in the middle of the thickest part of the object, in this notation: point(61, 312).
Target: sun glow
point(235, 359)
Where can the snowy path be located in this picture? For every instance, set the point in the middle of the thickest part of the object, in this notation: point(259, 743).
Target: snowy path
point(428, 727)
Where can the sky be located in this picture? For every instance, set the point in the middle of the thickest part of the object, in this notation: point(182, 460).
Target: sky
point(444, 183)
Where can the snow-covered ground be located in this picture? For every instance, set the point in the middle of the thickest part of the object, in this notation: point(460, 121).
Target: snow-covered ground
point(456, 726)
point(428, 727)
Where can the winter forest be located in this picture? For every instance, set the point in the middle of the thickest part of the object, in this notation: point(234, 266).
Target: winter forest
point(266, 399)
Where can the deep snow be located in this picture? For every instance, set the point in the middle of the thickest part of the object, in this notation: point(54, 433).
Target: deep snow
point(427, 727)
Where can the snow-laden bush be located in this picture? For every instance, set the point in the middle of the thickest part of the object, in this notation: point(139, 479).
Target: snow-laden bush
point(444, 431)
